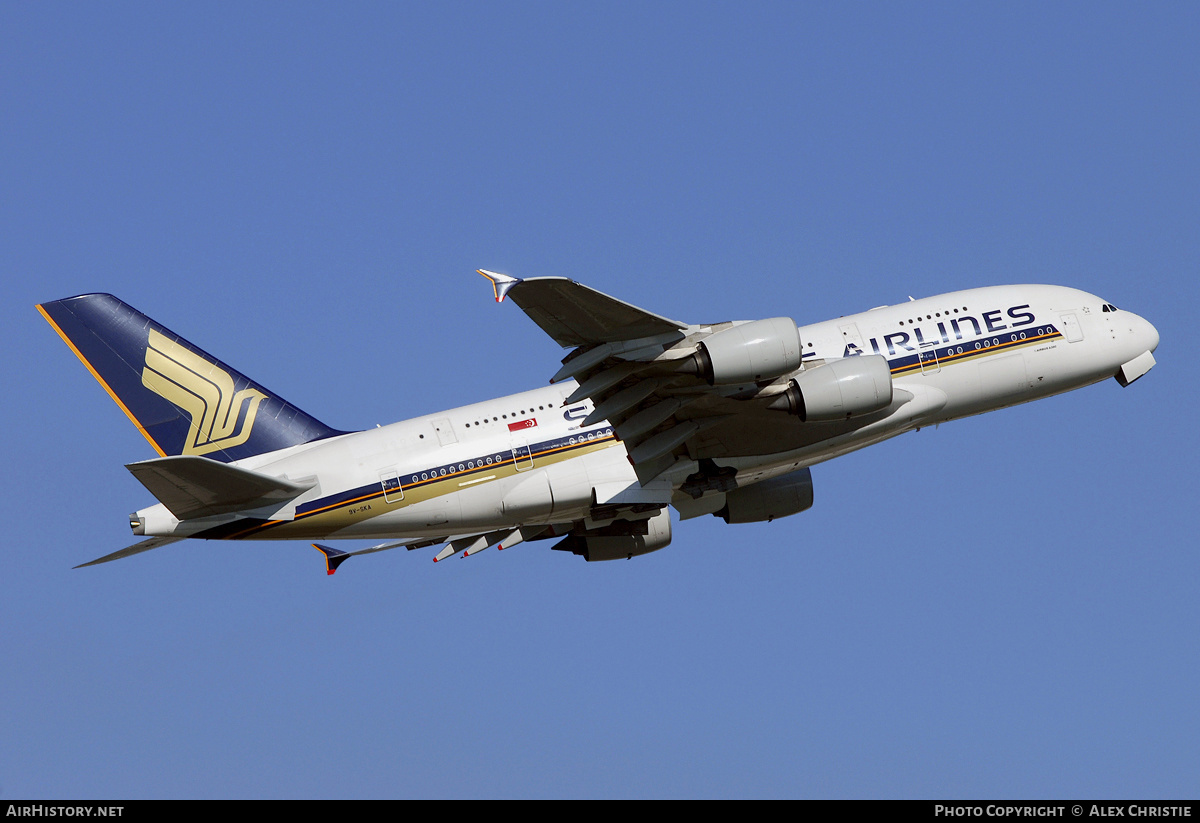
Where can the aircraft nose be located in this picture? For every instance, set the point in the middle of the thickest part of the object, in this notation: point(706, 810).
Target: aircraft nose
point(1147, 333)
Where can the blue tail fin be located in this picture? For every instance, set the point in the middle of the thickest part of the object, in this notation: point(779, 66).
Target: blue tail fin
point(181, 398)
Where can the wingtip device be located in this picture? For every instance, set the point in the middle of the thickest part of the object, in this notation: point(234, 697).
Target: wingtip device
point(501, 283)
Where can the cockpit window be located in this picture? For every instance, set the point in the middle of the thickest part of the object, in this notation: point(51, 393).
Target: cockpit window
point(1109, 307)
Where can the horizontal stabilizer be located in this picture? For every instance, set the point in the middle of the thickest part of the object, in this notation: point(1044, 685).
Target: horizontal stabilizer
point(191, 486)
point(575, 315)
point(136, 548)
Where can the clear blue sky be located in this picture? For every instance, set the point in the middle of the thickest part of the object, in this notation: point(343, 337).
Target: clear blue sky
point(1003, 607)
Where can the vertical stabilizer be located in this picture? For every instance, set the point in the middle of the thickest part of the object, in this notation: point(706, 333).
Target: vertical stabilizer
point(184, 400)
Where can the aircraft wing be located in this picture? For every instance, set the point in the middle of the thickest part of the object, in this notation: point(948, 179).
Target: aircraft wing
point(575, 315)
point(680, 396)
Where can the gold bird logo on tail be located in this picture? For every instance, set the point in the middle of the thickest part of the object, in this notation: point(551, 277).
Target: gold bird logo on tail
point(202, 389)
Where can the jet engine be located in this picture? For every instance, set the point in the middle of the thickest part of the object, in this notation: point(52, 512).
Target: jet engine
point(839, 389)
point(620, 540)
point(761, 350)
point(778, 497)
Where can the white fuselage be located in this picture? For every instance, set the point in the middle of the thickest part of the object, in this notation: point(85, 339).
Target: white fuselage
point(525, 459)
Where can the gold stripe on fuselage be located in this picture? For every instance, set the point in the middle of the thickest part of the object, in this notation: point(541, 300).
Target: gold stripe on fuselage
point(968, 354)
point(327, 519)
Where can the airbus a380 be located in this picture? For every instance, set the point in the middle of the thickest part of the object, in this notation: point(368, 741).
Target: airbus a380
point(645, 413)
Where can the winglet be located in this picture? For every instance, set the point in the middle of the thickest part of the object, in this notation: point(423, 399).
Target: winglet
point(501, 283)
point(333, 557)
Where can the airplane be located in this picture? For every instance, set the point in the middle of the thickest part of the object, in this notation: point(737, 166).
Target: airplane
point(645, 414)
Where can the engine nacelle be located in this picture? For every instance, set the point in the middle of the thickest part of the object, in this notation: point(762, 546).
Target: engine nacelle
point(778, 497)
point(839, 389)
point(610, 543)
point(749, 353)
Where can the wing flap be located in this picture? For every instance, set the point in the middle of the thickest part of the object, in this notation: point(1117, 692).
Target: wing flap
point(191, 486)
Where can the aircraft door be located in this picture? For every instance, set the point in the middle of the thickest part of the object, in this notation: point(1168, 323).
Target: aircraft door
point(445, 431)
point(852, 341)
point(1071, 327)
point(522, 457)
point(929, 360)
point(393, 490)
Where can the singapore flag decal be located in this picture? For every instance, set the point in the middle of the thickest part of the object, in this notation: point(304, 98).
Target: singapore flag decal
point(522, 424)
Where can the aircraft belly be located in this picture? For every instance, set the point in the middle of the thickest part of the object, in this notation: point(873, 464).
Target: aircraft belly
point(431, 503)
point(1011, 376)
